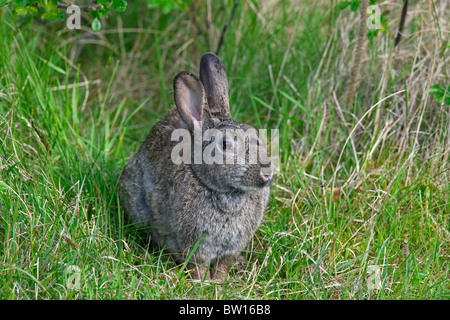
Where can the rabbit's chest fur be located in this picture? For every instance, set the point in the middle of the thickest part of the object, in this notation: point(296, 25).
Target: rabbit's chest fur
point(225, 220)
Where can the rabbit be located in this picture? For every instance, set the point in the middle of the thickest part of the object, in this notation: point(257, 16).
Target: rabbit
point(214, 206)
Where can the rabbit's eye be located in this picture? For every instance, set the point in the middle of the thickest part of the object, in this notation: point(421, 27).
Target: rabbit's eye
point(226, 145)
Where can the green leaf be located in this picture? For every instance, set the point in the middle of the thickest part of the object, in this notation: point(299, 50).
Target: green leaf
point(50, 15)
point(372, 34)
point(119, 5)
point(4, 2)
point(96, 25)
point(439, 92)
point(96, 14)
point(344, 4)
point(354, 5)
point(105, 3)
point(436, 90)
point(61, 16)
point(32, 9)
point(20, 11)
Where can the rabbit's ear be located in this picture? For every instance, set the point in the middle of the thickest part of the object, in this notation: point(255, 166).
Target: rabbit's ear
point(190, 98)
point(214, 78)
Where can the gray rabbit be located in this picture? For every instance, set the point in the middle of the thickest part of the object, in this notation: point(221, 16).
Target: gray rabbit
point(215, 206)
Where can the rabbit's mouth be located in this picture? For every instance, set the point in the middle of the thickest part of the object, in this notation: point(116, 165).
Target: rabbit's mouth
point(256, 177)
point(265, 181)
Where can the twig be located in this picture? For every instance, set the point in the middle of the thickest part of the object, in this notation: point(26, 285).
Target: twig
point(402, 23)
point(87, 8)
point(225, 27)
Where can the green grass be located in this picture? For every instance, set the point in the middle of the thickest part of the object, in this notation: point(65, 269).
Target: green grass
point(75, 105)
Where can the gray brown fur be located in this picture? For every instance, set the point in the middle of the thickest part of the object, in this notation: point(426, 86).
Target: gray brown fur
point(178, 204)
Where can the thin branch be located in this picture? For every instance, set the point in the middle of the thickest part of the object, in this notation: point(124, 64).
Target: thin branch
point(87, 8)
point(402, 23)
point(225, 27)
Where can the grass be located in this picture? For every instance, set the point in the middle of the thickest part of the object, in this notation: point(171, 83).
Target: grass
point(75, 105)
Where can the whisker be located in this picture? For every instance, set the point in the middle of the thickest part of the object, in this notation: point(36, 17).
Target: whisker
point(232, 191)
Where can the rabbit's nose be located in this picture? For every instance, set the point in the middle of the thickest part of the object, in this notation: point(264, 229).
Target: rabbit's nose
point(267, 173)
